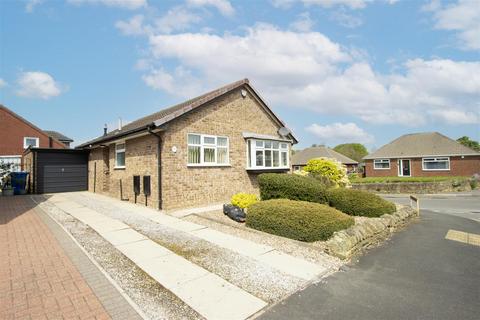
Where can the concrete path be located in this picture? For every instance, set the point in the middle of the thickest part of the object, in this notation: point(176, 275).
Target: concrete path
point(262, 253)
point(207, 293)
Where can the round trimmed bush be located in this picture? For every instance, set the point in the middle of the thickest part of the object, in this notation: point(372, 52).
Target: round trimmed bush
point(359, 203)
point(299, 220)
point(291, 186)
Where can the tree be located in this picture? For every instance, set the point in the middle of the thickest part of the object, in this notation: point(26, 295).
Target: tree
point(472, 144)
point(355, 151)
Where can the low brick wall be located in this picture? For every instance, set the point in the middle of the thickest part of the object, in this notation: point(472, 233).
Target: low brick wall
point(366, 232)
point(414, 187)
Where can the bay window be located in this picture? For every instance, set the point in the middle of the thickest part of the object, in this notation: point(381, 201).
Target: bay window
point(207, 150)
point(267, 154)
point(436, 164)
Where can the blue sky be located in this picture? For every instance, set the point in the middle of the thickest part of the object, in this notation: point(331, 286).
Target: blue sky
point(334, 70)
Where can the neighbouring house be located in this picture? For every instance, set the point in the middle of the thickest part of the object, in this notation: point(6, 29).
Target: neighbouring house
point(422, 155)
point(196, 153)
point(17, 134)
point(300, 158)
point(60, 137)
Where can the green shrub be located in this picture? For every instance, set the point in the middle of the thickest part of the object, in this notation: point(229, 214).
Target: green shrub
point(329, 171)
point(291, 186)
point(404, 179)
point(244, 200)
point(299, 220)
point(473, 183)
point(359, 203)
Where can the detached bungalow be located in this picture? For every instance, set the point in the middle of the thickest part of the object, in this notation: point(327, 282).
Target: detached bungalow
point(300, 158)
point(196, 153)
point(422, 155)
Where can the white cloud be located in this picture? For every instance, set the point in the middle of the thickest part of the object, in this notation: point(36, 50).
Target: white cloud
point(303, 23)
point(462, 17)
point(308, 71)
point(223, 6)
point(177, 18)
point(124, 4)
point(456, 116)
point(35, 84)
point(132, 27)
point(3, 83)
point(31, 4)
point(345, 19)
point(351, 4)
point(340, 132)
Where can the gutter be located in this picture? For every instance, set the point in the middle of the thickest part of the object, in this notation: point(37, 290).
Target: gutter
point(159, 163)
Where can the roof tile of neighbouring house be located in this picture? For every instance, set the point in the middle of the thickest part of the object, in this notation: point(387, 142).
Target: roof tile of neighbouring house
point(421, 145)
point(165, 115)
point(301, 158)
point(57, 135)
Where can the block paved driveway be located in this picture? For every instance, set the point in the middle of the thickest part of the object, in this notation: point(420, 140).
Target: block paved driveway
point(38, 279)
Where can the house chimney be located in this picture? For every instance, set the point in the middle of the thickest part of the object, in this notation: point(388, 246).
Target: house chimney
point(105, 130)
point(119, 123)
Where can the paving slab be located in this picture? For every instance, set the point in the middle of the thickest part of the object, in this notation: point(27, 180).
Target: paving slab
point(291, 265)
point(226, 302)
point(143, 250)
point(123, 236)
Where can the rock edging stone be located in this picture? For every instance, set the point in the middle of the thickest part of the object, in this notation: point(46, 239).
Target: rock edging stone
point(367, 231)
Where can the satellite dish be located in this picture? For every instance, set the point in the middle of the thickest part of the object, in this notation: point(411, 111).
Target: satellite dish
point(283, 131)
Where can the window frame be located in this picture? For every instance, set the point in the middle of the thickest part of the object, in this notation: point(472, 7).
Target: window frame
point(381, 161)
point(253, 148)
point(37, 144)
point(435, 159)
point(117, 151)
point(204, 146)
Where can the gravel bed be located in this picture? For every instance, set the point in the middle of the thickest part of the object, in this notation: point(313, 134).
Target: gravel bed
point(313, 252)
point(155, 301)
point(260, 280)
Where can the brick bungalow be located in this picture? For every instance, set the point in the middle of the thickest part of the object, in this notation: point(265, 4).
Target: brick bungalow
point(17, 134)
point(422, 155)
point(196, 153)
point(300, 158)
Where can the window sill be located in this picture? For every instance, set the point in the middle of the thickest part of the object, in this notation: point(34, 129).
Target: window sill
point(119, 168)
point(202, 165)
point(435, 169)
point(269, 169)
point(381, 168)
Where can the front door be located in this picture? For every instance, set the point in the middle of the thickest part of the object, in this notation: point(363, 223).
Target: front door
point(404, 168)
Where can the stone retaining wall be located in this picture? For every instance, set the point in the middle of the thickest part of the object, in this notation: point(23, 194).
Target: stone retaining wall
point(367, 231)
point(415, 187)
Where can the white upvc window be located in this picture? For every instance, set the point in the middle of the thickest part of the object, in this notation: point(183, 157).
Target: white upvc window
point(207, 150)
point(120, 155)
point(381, 164)
point(267, 154)
point(436, 164)
point(30, 142)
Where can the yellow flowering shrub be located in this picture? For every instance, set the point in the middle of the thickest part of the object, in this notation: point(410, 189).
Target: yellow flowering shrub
point(243, 200)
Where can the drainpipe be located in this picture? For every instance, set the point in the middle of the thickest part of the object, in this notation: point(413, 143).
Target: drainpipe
point(159, 164)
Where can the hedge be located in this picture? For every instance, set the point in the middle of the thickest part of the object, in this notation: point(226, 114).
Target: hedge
point(291, 186)
point(359, 203)
point(299, 220)
point(405, 179)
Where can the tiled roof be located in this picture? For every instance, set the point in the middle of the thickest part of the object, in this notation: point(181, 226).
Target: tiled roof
point(171, 113)
point(301, 158)
point(421, 145)
point(57, 135)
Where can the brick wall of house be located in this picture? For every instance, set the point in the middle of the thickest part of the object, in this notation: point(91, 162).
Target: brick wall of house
point(184, 186)
point(13, 132)
point(140, 159)
point(196, 186)
point(467, 166)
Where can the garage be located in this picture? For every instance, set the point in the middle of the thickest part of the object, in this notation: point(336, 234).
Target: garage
point(56, 170)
